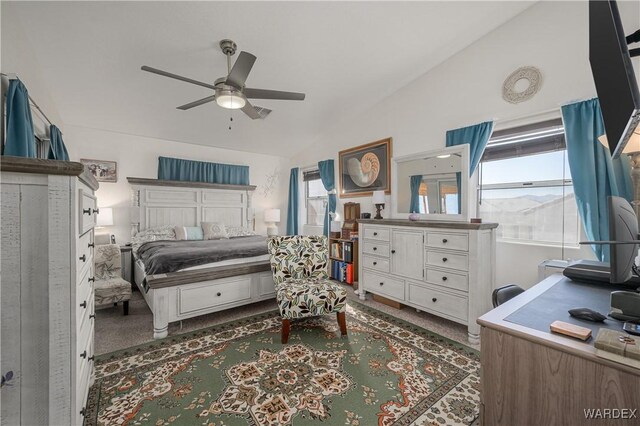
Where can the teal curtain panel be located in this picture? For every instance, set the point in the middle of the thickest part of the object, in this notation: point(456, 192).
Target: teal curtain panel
point(328, 178)
point(476, 136)
point(201, 171)
point(414, 183)
point(292, 209)
point(57, 149)
point(20, 141)
point(595, 175)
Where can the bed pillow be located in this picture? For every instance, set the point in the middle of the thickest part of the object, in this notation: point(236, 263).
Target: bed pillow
point(159, 233)
point(214, 230)
point(239, 231)
point(189, 233)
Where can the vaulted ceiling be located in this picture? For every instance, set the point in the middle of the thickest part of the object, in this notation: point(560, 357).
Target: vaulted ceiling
point(346, 56)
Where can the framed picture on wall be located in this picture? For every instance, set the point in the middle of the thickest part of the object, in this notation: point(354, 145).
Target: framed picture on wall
point(102, 170)
point(365, 168)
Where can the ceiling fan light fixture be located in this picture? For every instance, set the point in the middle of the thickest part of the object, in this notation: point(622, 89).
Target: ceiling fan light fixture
point(229, 100)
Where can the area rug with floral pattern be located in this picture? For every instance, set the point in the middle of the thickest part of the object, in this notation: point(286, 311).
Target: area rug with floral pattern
point(385, 372)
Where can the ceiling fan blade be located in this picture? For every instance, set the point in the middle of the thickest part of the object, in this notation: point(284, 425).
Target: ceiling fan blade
point(197, 103)
point(273, 94)
point(241, 69)
point(177, 77)
point(251, 111)
point(262, 111)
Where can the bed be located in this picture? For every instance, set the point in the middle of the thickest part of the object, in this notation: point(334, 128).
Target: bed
point(185, 279)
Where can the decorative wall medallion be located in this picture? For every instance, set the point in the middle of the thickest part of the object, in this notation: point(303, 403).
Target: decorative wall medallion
point(533, 78)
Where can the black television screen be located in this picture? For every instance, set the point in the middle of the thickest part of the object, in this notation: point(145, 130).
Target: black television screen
point(613, 74)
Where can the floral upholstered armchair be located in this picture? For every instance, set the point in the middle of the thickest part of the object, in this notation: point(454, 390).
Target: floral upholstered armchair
point(303, 289)
point(110, 287)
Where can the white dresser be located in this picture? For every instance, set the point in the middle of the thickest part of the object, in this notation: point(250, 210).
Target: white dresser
point(444, 268)
point(47, 303)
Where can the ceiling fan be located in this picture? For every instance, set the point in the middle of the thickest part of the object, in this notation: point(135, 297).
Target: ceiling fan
point(229, 91)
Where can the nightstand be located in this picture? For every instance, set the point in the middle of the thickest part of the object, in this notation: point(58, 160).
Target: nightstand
point(126, 256)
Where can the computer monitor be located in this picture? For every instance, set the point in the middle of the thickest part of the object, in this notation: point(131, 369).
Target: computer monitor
point(623, 232)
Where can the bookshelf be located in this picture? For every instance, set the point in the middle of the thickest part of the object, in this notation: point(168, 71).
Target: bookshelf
point(343, 260)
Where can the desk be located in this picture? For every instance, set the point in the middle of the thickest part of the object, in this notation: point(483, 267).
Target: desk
point(534, 377)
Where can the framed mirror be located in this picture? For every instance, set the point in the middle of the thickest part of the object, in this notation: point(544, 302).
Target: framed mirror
point(434, 184)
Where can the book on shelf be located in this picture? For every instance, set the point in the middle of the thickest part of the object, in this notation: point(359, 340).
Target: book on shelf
point(347, 250)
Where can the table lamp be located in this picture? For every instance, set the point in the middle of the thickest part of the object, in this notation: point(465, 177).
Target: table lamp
point(271, 217)
point(378, 200)
point(632, 148)
point(105, 217)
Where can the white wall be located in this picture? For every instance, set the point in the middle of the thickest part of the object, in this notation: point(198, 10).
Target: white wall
point(18, 58)
point(466, 89)
point(138, 157)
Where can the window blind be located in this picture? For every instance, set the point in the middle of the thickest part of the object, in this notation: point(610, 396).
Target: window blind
point(546, 136)
point(310, 175)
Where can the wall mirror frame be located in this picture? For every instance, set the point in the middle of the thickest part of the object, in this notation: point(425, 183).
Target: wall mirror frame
point(401, 179)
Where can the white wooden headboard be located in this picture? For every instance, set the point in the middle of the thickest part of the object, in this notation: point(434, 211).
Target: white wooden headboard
point(163, 202)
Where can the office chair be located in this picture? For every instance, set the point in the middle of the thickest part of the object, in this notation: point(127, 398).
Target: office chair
point(505, 293)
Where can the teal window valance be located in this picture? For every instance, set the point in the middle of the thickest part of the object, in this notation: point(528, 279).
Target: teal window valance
point(202, 171)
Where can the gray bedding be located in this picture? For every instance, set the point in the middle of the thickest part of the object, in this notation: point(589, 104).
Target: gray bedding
point(161, 257)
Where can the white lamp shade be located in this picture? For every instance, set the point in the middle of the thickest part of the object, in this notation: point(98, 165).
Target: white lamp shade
point(105, 217)
point(272, 215)
point(378, 197)
point(632, 146)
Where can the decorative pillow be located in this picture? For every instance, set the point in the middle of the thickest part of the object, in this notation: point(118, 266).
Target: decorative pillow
point(214, 230)
point(189, 233)
point(166, 232)
point(239, 231)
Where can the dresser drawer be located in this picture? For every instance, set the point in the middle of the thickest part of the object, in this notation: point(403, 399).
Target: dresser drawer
point(84, 294)
point(447, 279)
point(83, 378)
point(448, 241)
point(380, 234)
point(84, 252)
point(84, 325)
point(376, 263)
point(88, 211)
point(384, 285)
point(376, 248)
point(438, 301)
point(445, 259)
point(201, 297)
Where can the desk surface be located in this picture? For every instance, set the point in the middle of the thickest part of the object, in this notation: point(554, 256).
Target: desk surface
point(529, 315)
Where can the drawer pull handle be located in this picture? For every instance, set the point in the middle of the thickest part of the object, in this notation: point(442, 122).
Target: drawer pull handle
point(444, 240)
point(83, 354)
point(375, 263)
point(375, 234)
point(393, 252)
point(84, 304)
point(83, 412)
point(96, 211)
point(434, 300)
point(86, 211)
point(91, 358)
point(91, 245)
point(375, 248)
point(219, 294)
point(92, 279)
point(444, 259)
point(444, 278)
point(381, 283)
point(83, 258)
point(92, 316)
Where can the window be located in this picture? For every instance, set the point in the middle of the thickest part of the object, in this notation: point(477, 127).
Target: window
point(525, 186)
point(315, 198)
